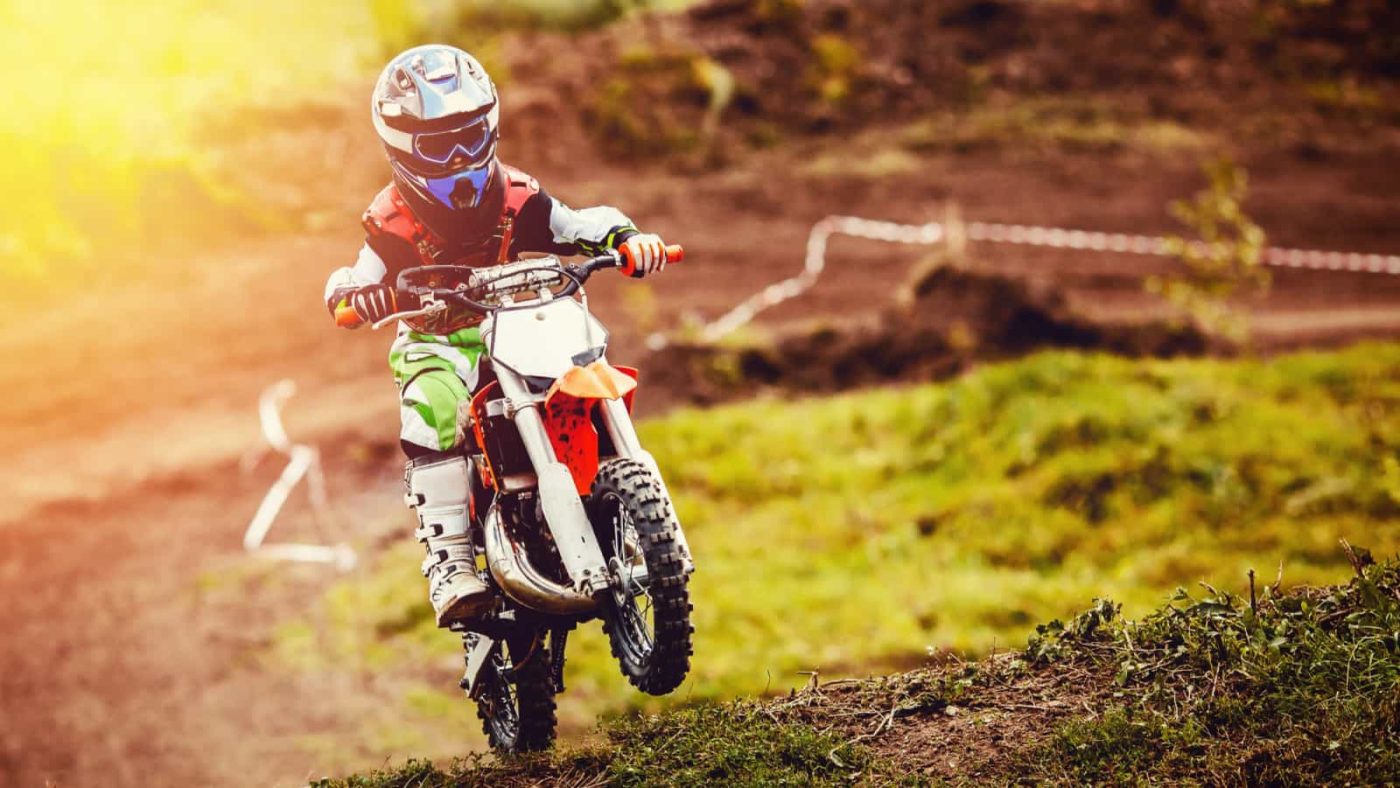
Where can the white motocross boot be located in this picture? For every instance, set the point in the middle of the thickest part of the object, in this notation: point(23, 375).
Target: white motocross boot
point(438, 491)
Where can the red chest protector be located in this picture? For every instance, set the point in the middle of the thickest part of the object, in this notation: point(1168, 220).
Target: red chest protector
point(389, 215)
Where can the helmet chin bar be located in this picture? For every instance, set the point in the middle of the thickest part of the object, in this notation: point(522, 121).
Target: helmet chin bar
point(449, 221)
point(466, 195)
point(464, 190)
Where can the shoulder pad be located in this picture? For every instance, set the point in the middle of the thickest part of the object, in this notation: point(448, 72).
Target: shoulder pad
point(520, 187)
point(388, 214)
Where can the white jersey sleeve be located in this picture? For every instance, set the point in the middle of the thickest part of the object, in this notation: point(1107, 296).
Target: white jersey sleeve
point(367, 270)
point(590, 229)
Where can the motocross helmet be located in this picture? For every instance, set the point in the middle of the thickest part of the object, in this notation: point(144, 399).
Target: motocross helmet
point(437, 113)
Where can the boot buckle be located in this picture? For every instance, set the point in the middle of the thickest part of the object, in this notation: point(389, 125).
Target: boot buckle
point(432, 560)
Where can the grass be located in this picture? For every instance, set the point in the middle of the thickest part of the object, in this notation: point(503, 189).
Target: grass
point(736, 743)
point(1275, 688)
point(1021, 126)
point(1070, 123)
point(860, 533)
point(969, 510)
point(1300, 688)
point(110, 153)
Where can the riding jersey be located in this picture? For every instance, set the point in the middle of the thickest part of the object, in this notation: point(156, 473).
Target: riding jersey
point(530, 221)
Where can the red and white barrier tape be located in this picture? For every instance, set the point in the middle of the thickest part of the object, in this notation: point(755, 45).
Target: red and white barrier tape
point(1026, 235)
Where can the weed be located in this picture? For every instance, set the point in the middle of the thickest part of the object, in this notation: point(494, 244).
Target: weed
point(734, 743)
point(1224, 261)
point(1287, 688)
point(654, 103)
point(834, 68)
point(116, 157)
point(1068, 123)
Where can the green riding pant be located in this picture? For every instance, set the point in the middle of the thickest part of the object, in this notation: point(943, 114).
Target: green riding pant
point(436, 377)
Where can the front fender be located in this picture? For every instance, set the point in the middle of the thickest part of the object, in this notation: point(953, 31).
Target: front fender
point(568, 415)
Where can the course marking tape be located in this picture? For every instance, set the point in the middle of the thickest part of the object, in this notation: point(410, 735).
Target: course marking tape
point(1020, 234)
point(302, 462)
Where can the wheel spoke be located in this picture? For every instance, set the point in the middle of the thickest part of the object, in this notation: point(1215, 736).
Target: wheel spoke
point(634, 599)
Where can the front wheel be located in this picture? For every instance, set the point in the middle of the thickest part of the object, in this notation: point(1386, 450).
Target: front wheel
point(647, 616)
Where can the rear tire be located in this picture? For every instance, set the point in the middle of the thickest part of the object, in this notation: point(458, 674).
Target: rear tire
point(516, 705)
point(648, 627)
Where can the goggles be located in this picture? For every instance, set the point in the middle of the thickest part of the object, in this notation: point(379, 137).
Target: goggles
point(465, 146)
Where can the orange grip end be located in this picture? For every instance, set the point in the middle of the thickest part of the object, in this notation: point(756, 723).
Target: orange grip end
point(346, 317)
point(674, 254)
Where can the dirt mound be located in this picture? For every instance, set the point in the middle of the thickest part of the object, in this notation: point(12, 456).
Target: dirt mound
point(950, 319)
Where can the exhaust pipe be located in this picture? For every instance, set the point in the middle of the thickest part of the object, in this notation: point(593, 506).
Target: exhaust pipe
point(519, 579)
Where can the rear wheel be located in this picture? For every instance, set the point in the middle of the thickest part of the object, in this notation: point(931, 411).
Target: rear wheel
point(647, 617)
point(516, 703)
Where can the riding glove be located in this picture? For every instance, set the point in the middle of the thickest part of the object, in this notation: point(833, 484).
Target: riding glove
point(645, 254)
point(373, 303)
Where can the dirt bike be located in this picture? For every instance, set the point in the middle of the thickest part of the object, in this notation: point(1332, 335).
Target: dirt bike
point(570, 515)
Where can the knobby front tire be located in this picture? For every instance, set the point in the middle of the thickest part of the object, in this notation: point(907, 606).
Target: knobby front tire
point(649, 627)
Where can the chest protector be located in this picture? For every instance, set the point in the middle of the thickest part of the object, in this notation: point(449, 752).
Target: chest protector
point(390, 215)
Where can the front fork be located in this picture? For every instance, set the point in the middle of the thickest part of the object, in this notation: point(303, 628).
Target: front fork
point(563, 510)
point(624, 438)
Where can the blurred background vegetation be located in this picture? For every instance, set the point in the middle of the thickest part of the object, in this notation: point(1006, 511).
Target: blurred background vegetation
point(134, 127)
point(105, 148)
point(158, 124)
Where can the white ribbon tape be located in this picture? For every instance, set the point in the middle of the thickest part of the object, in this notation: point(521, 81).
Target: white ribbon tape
point(302, 462)
point(1025, 235)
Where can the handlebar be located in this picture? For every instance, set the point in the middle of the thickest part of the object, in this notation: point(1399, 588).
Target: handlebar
point(498, 280)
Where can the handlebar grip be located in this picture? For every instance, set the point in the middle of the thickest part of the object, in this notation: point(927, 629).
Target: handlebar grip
point(347, 317)
point(675, 253)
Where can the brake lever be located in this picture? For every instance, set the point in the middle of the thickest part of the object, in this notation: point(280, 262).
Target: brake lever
point(431, 309)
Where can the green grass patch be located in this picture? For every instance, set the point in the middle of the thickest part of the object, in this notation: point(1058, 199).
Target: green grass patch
point(1298, 688)
point(1071, 123)
point(854, 534)
point(729, 744)
point(954, 515)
